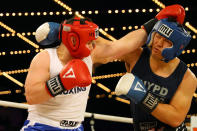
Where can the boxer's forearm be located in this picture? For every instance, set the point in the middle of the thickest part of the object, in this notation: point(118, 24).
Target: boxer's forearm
point(36, 93)
point(168, 114)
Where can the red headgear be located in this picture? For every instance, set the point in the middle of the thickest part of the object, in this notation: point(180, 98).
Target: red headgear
point(81, 31)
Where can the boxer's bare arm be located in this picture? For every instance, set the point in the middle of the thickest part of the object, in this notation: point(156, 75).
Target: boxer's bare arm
point(107, 51)
point(174, 113)
point(37, 76)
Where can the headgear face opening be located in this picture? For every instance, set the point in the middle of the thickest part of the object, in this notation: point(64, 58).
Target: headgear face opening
point(76, 35)
point(173, 32)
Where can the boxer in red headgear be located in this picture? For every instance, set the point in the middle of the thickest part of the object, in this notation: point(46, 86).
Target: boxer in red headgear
point(59, 78)
point(79, 31)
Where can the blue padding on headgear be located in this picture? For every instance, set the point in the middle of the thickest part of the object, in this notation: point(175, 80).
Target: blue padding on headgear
point(173, 32)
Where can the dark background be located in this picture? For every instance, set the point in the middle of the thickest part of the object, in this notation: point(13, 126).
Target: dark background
point(11, 118)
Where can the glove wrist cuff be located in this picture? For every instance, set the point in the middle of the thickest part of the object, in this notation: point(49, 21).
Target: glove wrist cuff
point(149, 103)
point(148, 26)
point(55, 86)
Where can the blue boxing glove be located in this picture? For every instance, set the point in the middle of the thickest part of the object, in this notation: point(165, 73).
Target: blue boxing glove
point(47, 34)
point(133, 88)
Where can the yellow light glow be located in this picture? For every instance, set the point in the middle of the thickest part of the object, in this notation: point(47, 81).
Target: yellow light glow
point(8, 34)
point(130, 27)
point(50, 13)
point(26, 13)
point(109, 11)
point(143, 10)
point(24, 51)
point(157, 9)
point(38, 13)
point(150, 10)
point(124, 28)
point(13, 14)
point(2, 35)
point(137, 10)
point(83, 12)
point(96, 11)
point(44, 13)
point(136, 27)
point(123, 11)
point(106, 29)
point(130, 10)
point(89, 12)
point(19, 14)
point(186, 8)
point(57, 13)
point(32, 13)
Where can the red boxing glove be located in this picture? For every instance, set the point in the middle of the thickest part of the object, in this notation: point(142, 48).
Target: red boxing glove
point(75, 73)
point(175, 11)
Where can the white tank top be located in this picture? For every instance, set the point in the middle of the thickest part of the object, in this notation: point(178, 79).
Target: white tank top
point(69, 106)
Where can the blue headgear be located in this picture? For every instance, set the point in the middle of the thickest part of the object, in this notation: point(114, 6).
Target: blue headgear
point(173, 32)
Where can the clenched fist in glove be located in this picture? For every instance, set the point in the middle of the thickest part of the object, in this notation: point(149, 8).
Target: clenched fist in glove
point(133, 88)
point(176, 12)
point(75, 73)
point(47, 34)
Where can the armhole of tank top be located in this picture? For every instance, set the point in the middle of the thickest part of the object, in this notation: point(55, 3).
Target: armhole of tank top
point(183, 67)
point(50, 51)
point(137, 60)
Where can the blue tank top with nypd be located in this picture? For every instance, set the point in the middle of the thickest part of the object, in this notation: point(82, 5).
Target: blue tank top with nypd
point(163, 88)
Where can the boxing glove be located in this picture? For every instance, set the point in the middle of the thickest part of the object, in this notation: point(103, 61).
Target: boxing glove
point(176, 12)
point(47, 34)
point(75, 73)
point(133, 88)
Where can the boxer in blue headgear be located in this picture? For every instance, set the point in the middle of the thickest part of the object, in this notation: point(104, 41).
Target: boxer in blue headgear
point(158, 84)
point(175, 33)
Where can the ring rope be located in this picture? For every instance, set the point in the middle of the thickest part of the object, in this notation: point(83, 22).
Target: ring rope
point(87, 114)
